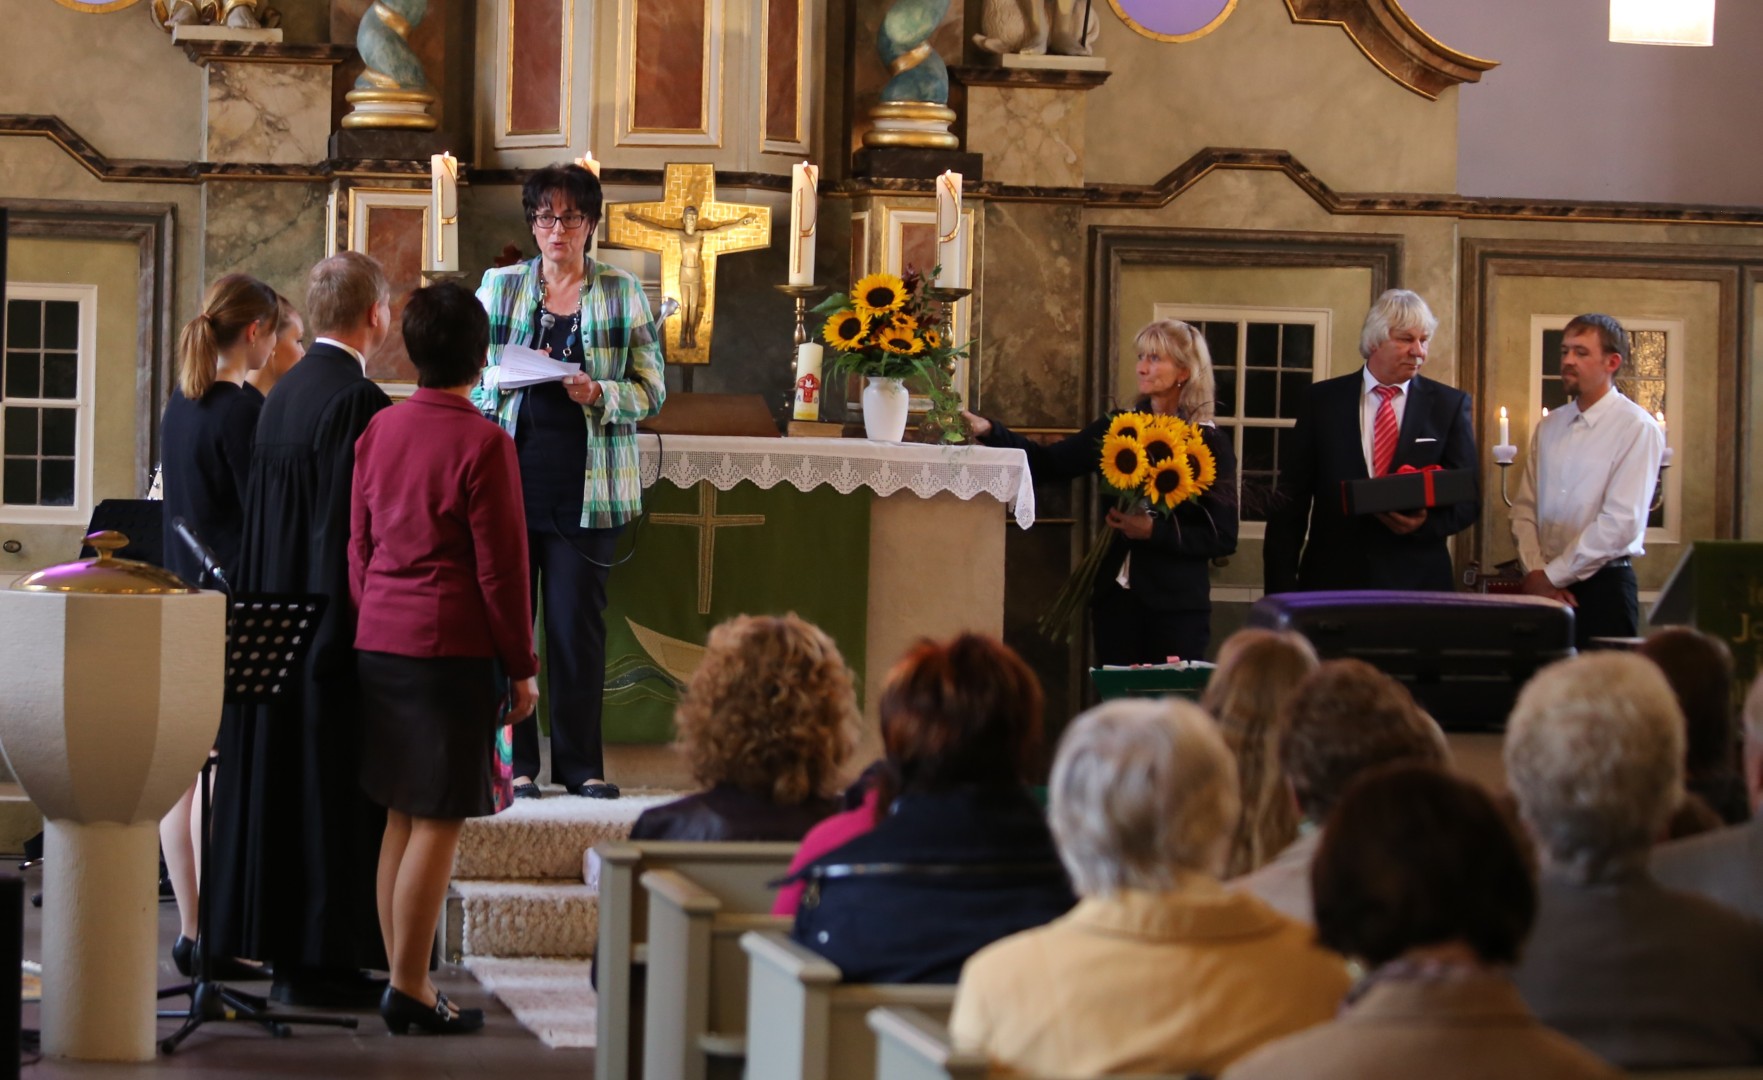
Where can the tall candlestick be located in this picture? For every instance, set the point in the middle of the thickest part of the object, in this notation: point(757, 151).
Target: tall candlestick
point(949, 230)
point(804, 220)
point(1505, 428)
point(444, 212)
point(808, 384)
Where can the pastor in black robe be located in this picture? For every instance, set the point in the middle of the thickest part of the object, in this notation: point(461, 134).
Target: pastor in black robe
point(296, 841)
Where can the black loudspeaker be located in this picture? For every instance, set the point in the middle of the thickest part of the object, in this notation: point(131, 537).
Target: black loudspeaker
point(1464, 656)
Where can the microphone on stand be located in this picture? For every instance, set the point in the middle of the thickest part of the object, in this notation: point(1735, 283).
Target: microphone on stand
point(204, 556)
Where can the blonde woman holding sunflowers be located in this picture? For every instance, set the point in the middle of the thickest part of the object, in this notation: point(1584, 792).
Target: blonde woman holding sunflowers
point(1153, 596)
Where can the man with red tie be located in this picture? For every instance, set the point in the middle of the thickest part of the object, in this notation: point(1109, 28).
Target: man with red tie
point(1370, 423)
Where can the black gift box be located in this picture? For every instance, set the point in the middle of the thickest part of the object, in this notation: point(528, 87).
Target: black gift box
point(1405, 492)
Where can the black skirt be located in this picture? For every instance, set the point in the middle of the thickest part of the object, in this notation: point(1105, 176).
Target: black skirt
point(429, 727)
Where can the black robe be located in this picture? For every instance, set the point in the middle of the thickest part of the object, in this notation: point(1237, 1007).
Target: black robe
point(296, 842)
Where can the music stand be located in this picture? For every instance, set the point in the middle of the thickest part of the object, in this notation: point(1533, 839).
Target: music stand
point(268, 635)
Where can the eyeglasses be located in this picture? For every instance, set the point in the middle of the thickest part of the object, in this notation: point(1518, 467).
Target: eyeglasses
point(570, 222)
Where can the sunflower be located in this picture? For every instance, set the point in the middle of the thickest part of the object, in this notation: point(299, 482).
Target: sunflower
point(904, 323)
point(845, 330)
point(903, 344)
point(1170, 483)
point(1178, 430)
point(1128, 424)
point(1202, 463)
point(878, 293)
point(1160, 445)
point(1123, 462)
point(932, 339)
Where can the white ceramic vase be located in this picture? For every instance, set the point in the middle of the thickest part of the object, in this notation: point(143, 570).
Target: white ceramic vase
point(885, 405)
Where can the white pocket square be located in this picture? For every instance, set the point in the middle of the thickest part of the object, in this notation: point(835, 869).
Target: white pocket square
point(1425, 440)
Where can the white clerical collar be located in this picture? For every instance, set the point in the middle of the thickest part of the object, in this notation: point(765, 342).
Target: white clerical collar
point(350, 349)
point(1372, 384)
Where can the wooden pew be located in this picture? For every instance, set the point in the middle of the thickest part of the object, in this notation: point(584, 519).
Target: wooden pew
point(621, 955)
point(804, 1024)
point(695, 1001)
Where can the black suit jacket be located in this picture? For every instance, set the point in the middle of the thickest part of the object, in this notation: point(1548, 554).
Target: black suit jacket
point(1339, 551)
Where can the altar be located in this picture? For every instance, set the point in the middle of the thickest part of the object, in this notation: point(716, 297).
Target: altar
point(877, 543)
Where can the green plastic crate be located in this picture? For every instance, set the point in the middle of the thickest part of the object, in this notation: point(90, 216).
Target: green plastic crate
point(1151, 682)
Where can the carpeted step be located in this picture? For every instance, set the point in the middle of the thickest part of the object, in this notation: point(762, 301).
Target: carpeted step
point(544, 839)
point(551, 998)
point(526, 918)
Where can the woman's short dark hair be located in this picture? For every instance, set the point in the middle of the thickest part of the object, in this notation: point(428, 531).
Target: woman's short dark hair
point(965, 711)
point(1414, 856)
point(578, 185)
point(1699, 668)
point(447, 334)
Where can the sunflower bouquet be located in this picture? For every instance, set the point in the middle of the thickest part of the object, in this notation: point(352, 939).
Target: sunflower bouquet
point(889, 328)
point(1148, 462)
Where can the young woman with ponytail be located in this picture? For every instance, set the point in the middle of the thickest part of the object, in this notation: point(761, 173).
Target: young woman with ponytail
point(205, 457)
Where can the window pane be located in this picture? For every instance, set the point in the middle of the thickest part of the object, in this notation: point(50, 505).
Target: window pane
point(1554, 394)
point(1646, 354)
point(1299, 348)
point(21, 431)
point(61, 324)
point(1263, 345)
point(1260, 391)
point(57, 487)
point(61, 375)
point(1227, 390)
point(1221, 338)
point(58, 432)
point(24, 374)
point(1292, 385)
point(1551, 354)
point(1257, 496)
point(19, 485)
point(1258, 450)
point(24, 323)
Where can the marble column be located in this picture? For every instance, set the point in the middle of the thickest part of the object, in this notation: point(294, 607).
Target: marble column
point(1028, 122)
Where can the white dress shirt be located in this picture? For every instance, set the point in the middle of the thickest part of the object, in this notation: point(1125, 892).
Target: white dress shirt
point(1588, 484)
point(1369, 402)
point(350, 349)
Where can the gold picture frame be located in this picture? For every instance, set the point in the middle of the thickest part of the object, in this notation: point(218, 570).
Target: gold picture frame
point(1227, 7)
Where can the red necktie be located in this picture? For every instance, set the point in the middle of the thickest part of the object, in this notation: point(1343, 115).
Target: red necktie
point(1383, 430)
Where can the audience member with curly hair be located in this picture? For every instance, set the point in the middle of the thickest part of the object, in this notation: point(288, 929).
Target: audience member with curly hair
point(1257, 672)
point(1423, 880)
point(1158, 969)
point(766, 723)
point(960, 855)
point(1699, 668)
point(1645, 976)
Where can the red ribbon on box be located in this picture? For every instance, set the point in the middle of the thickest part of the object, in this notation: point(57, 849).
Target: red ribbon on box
point(1426, 472)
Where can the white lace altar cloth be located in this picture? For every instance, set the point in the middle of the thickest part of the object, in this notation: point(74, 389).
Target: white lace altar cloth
point(844, 465)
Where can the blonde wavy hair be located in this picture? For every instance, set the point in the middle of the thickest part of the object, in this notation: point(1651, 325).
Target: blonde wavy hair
point(1257, 672)
point(771, 709)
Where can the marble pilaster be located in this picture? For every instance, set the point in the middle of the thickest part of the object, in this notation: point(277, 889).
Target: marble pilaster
point(1029, 123)
point(264, 112)
point(1031, 289)
point(272, 231)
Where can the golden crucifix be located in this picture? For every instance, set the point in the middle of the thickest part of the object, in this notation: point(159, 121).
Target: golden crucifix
point(690, 228)
point(706, 521)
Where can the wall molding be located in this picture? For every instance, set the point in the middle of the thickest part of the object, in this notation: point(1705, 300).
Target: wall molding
point(1392, 41)
point(152, 228)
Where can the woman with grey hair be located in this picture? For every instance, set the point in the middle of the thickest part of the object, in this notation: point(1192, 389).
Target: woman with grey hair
point(1644, 976)
point(1153, 594)
point(1158, 969)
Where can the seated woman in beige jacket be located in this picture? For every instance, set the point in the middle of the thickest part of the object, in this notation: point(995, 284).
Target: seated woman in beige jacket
point(1158, 969)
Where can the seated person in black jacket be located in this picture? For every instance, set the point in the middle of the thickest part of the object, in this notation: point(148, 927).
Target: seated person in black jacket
point(960, 855)
point(766, 723)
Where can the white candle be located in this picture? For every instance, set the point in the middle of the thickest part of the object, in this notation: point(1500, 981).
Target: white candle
point(587, 162)
point(444, 212)
point(1660, 416)
point(808, 387)
point(1545, 412)
point(1505, 428)
point(949, 230)
point(804, 220)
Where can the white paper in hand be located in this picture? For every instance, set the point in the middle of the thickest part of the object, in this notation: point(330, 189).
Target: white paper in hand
point(522, 366)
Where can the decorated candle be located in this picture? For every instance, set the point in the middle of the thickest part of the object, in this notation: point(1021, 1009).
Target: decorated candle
point(804, 219)
point(443, 213)
point(949, 230)
point(808, 387)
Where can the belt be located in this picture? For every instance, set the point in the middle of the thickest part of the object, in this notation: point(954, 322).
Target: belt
point(1619, 564)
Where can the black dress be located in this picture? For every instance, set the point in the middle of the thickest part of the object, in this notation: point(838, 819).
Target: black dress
point(296, 840)
point(205, 462)
point(1168, 609)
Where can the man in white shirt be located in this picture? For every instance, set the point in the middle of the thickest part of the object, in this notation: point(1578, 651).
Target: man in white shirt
point(1581, 511)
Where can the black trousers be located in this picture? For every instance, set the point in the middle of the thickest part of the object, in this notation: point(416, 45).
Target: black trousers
point(572, 588)
point(1608, 605)
point(1128, 632)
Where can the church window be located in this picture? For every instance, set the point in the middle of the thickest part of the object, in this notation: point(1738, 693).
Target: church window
point(1264, 360)
point(46, 408)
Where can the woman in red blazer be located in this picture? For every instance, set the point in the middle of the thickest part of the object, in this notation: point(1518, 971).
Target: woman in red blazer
point(438, 569)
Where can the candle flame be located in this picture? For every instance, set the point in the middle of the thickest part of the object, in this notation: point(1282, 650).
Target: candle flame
point(1502, 412)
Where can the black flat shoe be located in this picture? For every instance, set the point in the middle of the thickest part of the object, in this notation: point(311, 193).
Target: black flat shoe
point(400, 1011)
point(528, 791)
point(597, 789)
point(183, 957)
